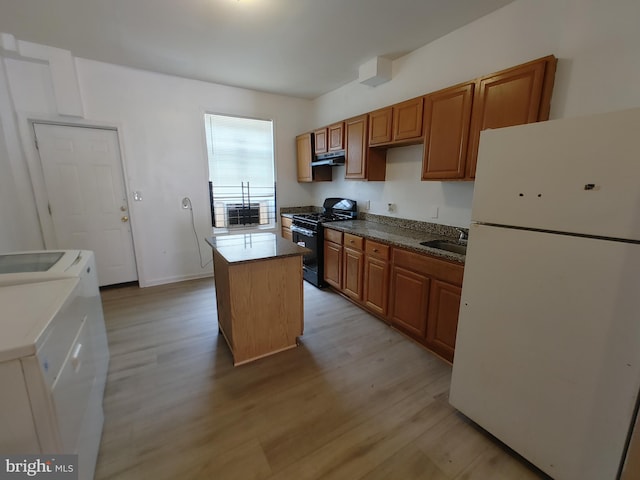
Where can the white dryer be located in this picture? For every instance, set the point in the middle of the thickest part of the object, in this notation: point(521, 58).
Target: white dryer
point(53, 332)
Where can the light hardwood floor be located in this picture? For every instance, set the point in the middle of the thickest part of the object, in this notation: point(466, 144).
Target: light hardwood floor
point(356, 400)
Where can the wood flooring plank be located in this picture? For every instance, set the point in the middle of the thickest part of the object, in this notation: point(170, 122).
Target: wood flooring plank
point(356, 400)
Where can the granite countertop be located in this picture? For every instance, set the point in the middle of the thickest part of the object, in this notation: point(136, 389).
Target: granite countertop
point(291, 211)
point(250, 247)
point(398, 236)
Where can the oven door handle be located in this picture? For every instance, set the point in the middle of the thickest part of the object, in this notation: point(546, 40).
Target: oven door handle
point(303, 231)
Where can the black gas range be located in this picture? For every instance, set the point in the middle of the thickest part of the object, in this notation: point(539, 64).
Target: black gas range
point(308, 231)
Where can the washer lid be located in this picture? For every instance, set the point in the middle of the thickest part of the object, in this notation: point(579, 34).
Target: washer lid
point(29, 262)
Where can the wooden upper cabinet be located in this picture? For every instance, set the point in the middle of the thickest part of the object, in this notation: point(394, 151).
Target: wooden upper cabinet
point(320, 137)
point(380, 129)
point(399, 124)
point(304, 155)
point(407, 120)
point(515, 96)
point(447, 116)
point(336, 136)
point(362, 162)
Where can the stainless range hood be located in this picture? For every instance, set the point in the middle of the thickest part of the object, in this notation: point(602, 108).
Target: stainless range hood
point(333, 159)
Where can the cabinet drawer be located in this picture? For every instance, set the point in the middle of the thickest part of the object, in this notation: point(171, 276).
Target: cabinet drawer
point(287, 222)
point(353, 241)
point(430, 266)
point(333, 236)
point(377, 250)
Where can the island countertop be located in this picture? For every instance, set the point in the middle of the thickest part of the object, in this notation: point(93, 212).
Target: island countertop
point(249, 247)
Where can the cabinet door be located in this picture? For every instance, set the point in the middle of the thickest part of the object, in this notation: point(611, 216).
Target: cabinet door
point(376, 285)
point(407, 120)
point(333, 264)
point(442, 325)
point(336, 137)
point(409, 301)
point(356, 130)
point(352, 275)
point(362, 162)
point(303, 157)
point(510, 97)
point(447, 116)
point(286, 223)
point(380, 126)
point(320, 138)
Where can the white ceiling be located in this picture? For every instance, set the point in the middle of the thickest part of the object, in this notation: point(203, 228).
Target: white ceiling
point(302, 48)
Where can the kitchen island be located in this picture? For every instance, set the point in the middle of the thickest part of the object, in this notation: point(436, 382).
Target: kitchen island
point(258, 278)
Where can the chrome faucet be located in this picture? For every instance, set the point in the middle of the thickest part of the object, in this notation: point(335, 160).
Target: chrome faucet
point(464, 236)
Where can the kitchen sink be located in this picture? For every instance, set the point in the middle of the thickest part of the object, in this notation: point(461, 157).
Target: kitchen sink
point(446, 245)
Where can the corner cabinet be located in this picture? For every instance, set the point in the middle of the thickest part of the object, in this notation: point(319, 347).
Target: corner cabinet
point(362, 162)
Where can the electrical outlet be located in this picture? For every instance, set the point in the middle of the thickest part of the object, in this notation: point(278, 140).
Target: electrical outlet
point(366, 205)
point(391, 207)
point(186, 202)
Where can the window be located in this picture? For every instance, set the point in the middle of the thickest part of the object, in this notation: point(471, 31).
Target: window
point(241, 172)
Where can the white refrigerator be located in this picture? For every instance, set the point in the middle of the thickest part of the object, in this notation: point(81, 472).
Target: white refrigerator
point(547, 353)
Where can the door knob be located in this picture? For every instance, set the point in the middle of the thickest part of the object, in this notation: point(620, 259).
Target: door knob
point(124, 219)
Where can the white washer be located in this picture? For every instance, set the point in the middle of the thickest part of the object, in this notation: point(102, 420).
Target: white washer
point(53, 335)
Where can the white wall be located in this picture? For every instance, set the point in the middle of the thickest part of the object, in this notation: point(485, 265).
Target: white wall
point(159, 119)
point(160, 123)
point(598, 71)
point(19, 227)
point(165, 154)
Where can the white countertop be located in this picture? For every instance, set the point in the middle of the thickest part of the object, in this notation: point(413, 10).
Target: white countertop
point(26, 311)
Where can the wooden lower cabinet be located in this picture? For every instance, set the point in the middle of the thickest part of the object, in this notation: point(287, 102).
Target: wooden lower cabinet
point(376, 277)
point(442, 325)
point(333, 264)
point(416, 293)
point(286, 223)
point(425, 299)
point(409, 301)
point(353, 264)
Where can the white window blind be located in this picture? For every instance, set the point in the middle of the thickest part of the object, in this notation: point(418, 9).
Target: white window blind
point(241, 171)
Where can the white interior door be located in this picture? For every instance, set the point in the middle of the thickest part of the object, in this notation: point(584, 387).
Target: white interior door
point(87, 199)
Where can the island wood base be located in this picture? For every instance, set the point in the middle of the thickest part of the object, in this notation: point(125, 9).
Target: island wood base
point(260, 305)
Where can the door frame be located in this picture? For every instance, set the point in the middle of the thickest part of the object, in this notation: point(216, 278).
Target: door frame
point(26, 125)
